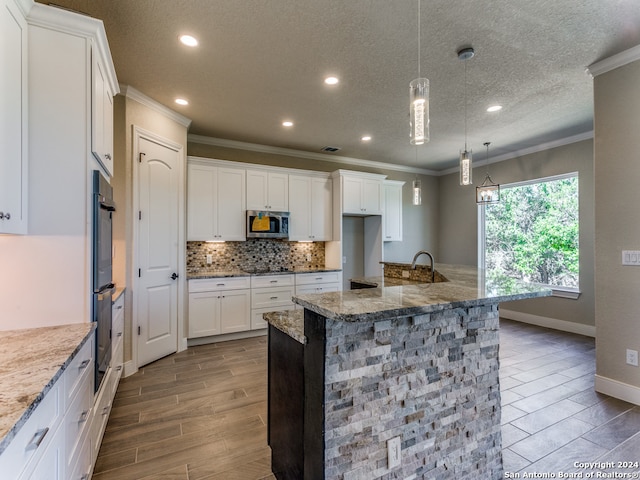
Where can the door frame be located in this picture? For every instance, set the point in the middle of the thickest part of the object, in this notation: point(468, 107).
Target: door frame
point(139, 133)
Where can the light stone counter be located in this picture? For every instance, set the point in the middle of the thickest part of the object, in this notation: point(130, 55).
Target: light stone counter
point(467, 287)
point(290, 322)
point(31, 361)
point(256, 272)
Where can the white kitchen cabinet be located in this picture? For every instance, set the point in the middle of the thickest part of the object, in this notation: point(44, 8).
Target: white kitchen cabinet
point(101, 116)
point(219, 306)
point(319, 282)
point(361, 193)
point(270, 293)
point(216, 203)
point(117, 337)
point(392, 216)
point(310, 204)
point(267, 190)
point(13, 119)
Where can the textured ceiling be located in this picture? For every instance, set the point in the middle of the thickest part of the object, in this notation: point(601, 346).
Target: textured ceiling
point(262, 61)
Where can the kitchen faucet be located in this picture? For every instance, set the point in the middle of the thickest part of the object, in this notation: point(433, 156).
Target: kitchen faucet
point(413, 264)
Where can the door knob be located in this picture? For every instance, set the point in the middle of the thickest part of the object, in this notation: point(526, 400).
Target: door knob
point(174, 275)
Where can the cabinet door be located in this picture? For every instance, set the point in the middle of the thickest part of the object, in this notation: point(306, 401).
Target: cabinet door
point(321, 209)
point(200, 202)
point(235, 311)
point(352, 195)
point(278, 192)
point(102, 117)
point(257, 185)
point(13, 119)
point(392, 213)
point(300, 207)
point(372, 196)
point(204, 314)
point(230, 204)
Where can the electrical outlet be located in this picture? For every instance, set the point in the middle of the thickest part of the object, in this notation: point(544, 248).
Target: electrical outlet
point(632, 357)
point(393, 452)
point(209, 259)
point(405, 274)
point(344, 260)
point(308, 257)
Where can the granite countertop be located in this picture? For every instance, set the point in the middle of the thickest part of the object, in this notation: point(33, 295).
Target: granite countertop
point(467, 287)
point(256, 272)
point(31, 360)
point(290, 322)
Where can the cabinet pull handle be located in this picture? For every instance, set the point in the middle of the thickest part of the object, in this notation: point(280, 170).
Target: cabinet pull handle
point(274, 298)
point(119, 307)
point(220, 284)
point(84, 364)
point(107, 156)
point(85, 477)
point(105, 410)
point(119, 334)
point(318, 278)
point(118, 368)
point(273, 281)
point(38, 438)
point(83, 416)
point(5, 215)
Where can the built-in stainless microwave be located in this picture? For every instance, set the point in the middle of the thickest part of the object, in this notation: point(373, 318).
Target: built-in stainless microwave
point(262, 224)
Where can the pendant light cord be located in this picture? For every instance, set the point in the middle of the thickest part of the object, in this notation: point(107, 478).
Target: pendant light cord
point(419, 76)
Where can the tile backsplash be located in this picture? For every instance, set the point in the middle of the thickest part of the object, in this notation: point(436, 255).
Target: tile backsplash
point(255, 253)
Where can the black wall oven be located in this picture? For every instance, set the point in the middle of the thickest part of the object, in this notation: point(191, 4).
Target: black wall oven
point(103, 208)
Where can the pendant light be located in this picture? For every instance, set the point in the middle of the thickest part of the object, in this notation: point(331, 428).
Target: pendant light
point(416, 186)
point(466, 170)
point(419, 103)
point(488, 192)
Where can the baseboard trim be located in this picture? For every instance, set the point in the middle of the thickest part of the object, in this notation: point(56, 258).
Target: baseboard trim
point(192, 342)
point(547, 322)
point(614, 388)
point(129, 368)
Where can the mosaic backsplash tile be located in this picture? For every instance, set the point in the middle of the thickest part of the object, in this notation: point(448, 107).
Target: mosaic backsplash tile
point(254, 254)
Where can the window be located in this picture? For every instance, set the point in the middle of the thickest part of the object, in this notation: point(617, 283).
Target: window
point(532, 234)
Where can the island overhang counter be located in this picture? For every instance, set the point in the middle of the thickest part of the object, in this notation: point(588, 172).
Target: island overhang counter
point(414, 361)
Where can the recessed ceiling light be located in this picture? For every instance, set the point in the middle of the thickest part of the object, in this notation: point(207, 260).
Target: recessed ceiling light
point(287, 124)
point(331, 80)
point(181, 101)
point(189, 41)
point(366, 138)
point(494, 108)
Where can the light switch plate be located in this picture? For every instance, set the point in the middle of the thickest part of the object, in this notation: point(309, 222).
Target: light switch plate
point(631, 257)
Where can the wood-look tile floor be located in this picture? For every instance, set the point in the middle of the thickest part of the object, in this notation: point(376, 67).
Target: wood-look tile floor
point(201, 414)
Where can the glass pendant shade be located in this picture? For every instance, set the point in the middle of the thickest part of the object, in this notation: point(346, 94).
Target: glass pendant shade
point(417, 192)
point(419, 108)
point(466, 171)
point(488, 192)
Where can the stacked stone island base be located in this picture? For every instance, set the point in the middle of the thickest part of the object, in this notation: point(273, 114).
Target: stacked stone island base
point(426, 373)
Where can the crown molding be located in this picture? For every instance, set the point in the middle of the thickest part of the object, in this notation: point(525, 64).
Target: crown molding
point(254, 147)
point(130, 92)
point(527, 151)
point(24, 6)
point(618, 60)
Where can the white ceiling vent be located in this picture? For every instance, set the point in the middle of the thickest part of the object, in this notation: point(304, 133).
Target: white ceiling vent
point(329, 149)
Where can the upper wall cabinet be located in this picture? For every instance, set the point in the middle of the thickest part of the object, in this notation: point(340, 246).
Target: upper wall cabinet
point(215, 203)
point(392, 223)
point(361, 193)
point(13, 119)
point(101, 115)
point(267, 190)
point(310, 202)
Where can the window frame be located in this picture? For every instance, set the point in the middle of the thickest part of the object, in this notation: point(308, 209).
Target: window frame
point(562, 292)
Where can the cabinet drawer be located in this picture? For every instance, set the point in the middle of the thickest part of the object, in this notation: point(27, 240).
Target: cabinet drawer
point(271, 297)
point(315, 278)
point(83, 464)
point(76, 372)
point(223, 283)
point(76, 421)
point(261, 281)
point(34, 436)
point(323, 288)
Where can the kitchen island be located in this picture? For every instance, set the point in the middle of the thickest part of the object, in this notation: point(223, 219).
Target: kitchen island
point(414, 362)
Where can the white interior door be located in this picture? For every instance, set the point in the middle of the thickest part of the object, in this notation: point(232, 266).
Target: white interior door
point(157, 296)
